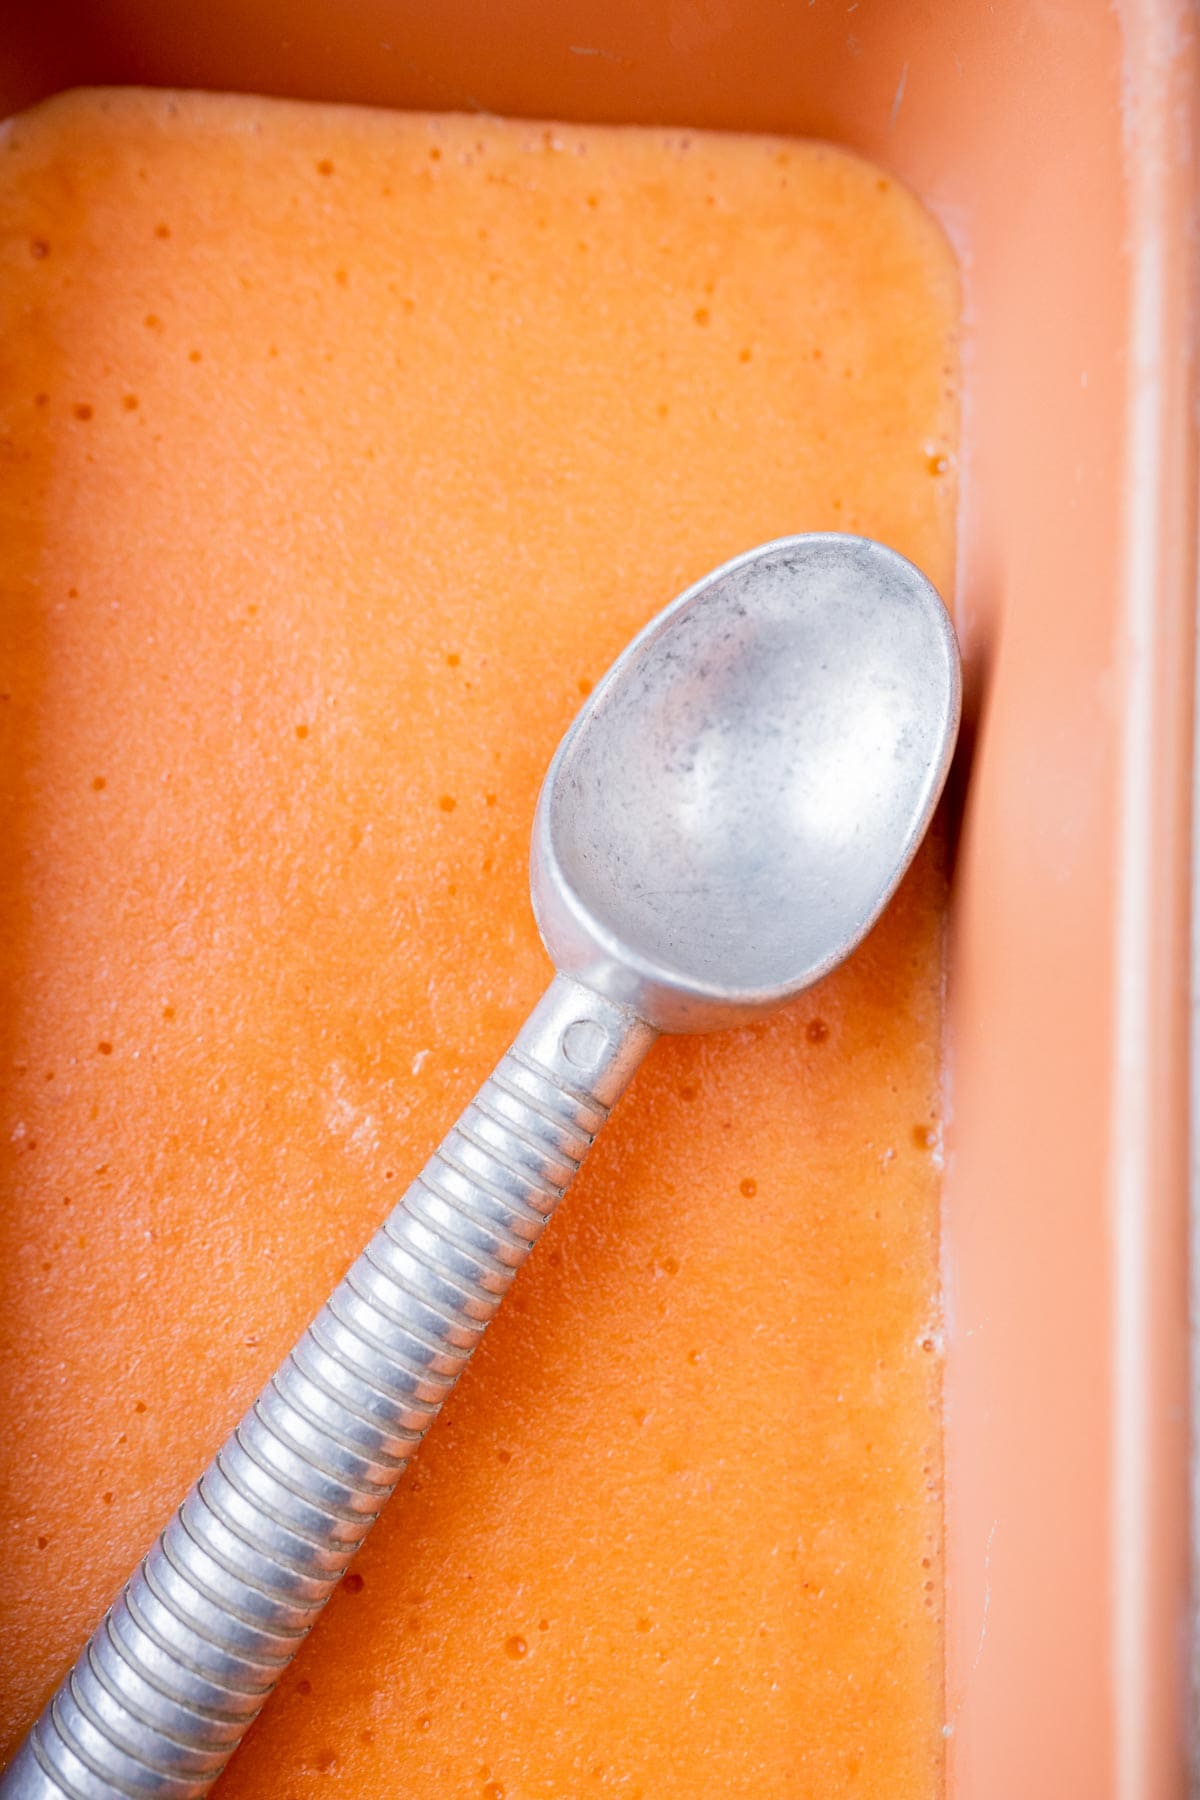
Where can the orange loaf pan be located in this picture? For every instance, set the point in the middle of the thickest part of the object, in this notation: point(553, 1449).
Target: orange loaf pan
point(1056, 142)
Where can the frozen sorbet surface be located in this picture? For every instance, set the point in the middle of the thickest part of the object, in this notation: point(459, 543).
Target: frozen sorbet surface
point(342, 451)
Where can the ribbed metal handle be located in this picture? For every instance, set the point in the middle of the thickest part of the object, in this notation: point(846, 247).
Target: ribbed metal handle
point(184, 1660)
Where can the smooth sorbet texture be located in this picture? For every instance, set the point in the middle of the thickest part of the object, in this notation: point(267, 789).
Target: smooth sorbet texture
point(342, 452)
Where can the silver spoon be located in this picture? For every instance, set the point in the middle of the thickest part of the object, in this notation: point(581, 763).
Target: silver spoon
point(721, 825)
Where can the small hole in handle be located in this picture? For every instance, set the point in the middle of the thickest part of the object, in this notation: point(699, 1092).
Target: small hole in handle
point(583, 1043)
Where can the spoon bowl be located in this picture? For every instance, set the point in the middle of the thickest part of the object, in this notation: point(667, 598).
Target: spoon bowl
point(736, 804)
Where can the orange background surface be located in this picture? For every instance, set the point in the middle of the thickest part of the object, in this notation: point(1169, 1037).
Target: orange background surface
point(345, 453)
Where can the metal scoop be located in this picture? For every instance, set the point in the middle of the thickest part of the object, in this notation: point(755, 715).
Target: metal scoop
point(722, 824)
